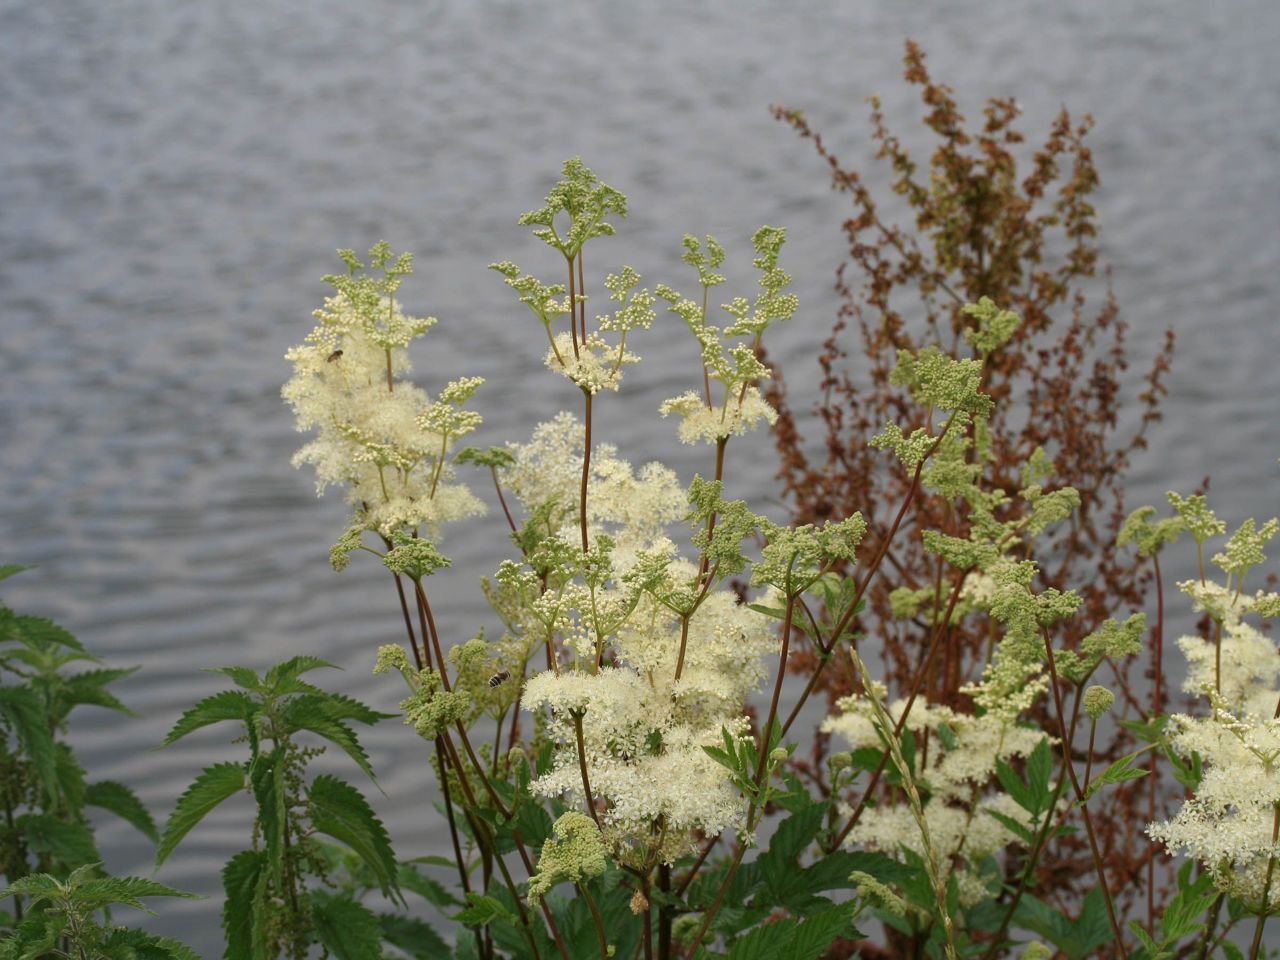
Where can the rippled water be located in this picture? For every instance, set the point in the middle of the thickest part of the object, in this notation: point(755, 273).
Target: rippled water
point(174, 177)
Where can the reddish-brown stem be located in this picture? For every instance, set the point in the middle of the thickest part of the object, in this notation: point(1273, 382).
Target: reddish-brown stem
point(765, 732)
point(503, 500)
point(1157, 708)
point(917, 683)
point(588, 796)
point(573, 312)
point(1080, 798)
point(586, 471)
point(582, 292)
point(721, 443)
point(1266, 887)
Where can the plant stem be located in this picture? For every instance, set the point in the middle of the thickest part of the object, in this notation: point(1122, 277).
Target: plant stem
point(1080, 798)
point(596, 919)
point(588, 797)
point(1157, 708)
point(586, 471)
point(1266, 886)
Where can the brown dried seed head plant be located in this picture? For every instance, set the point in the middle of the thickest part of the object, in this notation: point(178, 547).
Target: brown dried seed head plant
point(978, 229)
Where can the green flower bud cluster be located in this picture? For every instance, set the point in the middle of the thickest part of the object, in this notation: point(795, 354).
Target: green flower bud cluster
point(415, 557)
point(1245, 548)
point(586, 200)
point(348, 543)
point(734, 523)
point(576, 853)
point(1113, 640)
point(939, 382)
point(1197, 519)
point(995, 326)
point(1148, 534)
point(794, 557)
point(1097, 701)
point(431, 709)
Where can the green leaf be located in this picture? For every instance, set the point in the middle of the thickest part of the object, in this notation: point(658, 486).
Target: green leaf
point(415, 881)
point(341, 707)
point(22, 709)
point(41, 633)
point(412, 936)
point(279, 675)
point(308, 712)
point(226, 705)
point(103, 892)
point(341, 811)
point(9, 569)
point(69, 844)
point(348, 930)
point(789, 940)
point(240, 676)
point(483, 910)
point(214, 785)
point(239, 917)
point(1017, 829)
point(1118, 772)
point(89, 689)
point(124, 803)
point(126, 944)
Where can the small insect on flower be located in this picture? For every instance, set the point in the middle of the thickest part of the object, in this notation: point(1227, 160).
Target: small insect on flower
point(500, 677)
point(336, 355)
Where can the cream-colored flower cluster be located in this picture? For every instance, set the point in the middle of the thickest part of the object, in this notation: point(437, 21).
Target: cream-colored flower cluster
point(957, 765)
point(377, 435)
point(642, 729)
point(1232, 817)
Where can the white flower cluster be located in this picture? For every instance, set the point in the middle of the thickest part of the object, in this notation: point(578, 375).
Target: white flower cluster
point(735, 417)
point(1229, 822)
point(376, 433)
point(643, 730)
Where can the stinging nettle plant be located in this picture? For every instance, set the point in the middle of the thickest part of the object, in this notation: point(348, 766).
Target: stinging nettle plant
point(58, 898)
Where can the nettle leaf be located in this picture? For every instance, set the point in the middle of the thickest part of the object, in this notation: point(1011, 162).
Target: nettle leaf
point(214, 785)
point(793, 940)
point(22, 709)
point(340, 811)
point(1076, 938)
point(69, 844)
point(126, 944)
point(241, 677)
point(9, 569)
point(239, 911)
point(483, 910)
point(42, 633)
point(89, 689)
point(103, 892)
point(1118, 772)
point(341, 707)
point(415, 881)
point(414, 937)
point(309, 713)
point(348, 930)
point(278, 677)
point(226, 705)
point(124, 803)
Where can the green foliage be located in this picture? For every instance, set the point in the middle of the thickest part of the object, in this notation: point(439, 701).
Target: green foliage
point(71, 918)
point(48, 852)
point(276, 903)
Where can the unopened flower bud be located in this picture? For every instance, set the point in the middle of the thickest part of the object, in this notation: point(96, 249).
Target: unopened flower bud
point(1097, 701)
point(638, 903)
point(778, 754)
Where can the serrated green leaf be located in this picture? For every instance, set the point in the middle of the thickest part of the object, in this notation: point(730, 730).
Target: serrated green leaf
point(415, 881)
point(117, 798)
point(126, 944)
point(348, 930)
point(107, 891)
point(213, 786)
point(309, 713)
point(482, 910)
point(69, 844)
point(340, 811)
point(1017, 829)
point(1118, 772)
point(42, 633)
point(21, 707)
point(293, 668)
point(9, 569)
point(239, 917)
point(240, 676)
point(414, 937)
point(789, 940)
point(89, 689)
point(225, 705)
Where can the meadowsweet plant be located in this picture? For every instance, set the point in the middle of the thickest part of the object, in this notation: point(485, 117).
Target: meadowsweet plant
point(617, 766)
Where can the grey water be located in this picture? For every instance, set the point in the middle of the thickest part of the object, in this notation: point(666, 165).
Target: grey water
point(174, 178)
